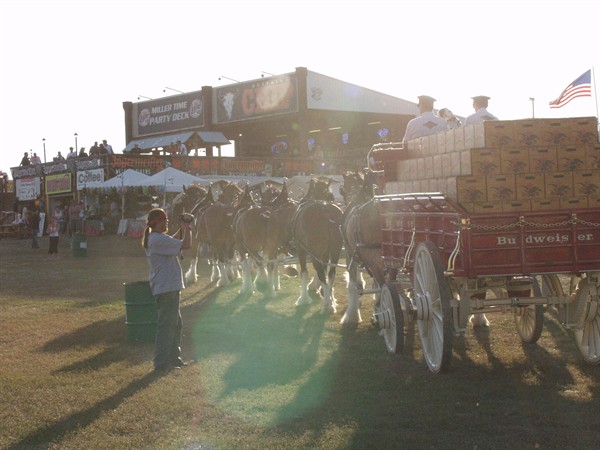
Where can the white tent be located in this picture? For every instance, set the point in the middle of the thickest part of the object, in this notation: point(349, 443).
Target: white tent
point(171, 180)
point(127, 178)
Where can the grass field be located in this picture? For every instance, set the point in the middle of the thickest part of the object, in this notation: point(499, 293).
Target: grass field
point(267, 375)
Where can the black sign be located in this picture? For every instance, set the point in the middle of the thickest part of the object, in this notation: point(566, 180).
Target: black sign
point(174, 113)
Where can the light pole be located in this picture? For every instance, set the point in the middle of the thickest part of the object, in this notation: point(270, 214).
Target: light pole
point(174, 90)
point(226, 78)
point(75, 141)
point(44, 144)
point(532, 100)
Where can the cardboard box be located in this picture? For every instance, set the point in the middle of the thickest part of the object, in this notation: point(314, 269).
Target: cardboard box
point(437, 165)
point(543, 159)
point(544, 204)
point(459, 139)
point(455, 163)
point(450, 140)
point(557, 132)
point(447, 164)
point(592, 157)
point(499, 133)
point(573, 203)
point(514, 160)
point(583, 131)
point(471, 189)
point(529, 133)
point(516, 205)
point(441, 143)
point(478, 135)
point(594, 202)
point(485, 161)
point(428, 167)
point(433, 144)
point(465, 163)
point(530, 185)
point(501, 188)
point(469, 207)
point(558, 184)
point(487, 207)
point(448, 186)
point(571, 158)
point(469, 137)
point(586, 183)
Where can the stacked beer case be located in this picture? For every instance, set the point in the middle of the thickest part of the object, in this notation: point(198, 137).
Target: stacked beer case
point(507, 166)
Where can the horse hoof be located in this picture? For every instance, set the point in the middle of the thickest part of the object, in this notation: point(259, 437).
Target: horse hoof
point(303, 301)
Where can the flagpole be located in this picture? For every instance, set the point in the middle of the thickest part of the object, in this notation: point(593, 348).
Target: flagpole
point(596, 99)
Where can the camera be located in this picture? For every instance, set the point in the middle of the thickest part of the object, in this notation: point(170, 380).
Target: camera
point(186, 218)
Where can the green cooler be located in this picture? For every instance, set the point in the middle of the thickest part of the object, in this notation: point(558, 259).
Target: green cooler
point(79, 244)
point(140, 312)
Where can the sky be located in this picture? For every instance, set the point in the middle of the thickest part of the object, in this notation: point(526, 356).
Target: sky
point(66, 67)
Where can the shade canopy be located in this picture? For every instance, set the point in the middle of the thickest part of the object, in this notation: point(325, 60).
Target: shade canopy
point(172, 180)
point(127, 178)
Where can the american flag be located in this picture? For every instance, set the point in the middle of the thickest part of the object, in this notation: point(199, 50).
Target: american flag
point(581, 87)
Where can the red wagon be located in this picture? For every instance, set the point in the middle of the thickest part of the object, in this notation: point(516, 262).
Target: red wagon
point(444, 264)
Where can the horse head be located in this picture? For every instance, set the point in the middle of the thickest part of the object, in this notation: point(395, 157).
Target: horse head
point(230, 193)
point(353, 182)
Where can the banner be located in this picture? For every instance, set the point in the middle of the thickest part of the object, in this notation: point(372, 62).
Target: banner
point(174, 113)
point(27, 188)
point(58, 184)
point(258, 98)
point(90, 179)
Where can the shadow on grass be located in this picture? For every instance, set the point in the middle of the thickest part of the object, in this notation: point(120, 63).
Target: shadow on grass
point(111, 335)
point(56, 432)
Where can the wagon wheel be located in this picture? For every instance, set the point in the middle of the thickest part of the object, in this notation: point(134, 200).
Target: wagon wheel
point(530, 319)
point(432, 296)
point(587, 328)
point(390, 318)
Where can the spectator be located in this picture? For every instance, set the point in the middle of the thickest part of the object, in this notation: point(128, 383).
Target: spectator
point(450, 118)
point(35, 159)
point(480, 104)
point(95, 149)
point(72, 153)
point(53, 233)
point(82, 153)
point(25, 160)
point(426, 122)
point(182, 148)
point(74, 219)
point(59, 158)
point(34, 224)
point(108, 147)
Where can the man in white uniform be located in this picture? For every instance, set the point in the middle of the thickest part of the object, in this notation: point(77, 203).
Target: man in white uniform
point(426, 122)
point(480, 104)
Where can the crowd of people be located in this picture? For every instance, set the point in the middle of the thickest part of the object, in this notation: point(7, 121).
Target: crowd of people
point(427, 122)
point(104, 148)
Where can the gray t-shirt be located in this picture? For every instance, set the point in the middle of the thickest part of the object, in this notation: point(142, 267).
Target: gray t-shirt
point(163, 257)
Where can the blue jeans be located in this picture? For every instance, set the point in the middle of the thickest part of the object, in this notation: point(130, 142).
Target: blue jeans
point(167, 348)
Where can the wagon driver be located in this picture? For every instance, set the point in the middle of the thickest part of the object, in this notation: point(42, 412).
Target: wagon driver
point(426, 122)
point(166, 282)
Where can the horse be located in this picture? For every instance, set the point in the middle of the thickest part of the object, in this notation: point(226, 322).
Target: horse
point(186, 200)
point(199, 239)
point(215, 229)
point(262, 232)
point(315, 231)
point(361, 231)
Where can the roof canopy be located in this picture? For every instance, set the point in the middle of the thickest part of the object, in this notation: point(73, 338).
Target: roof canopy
point(194, 138)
